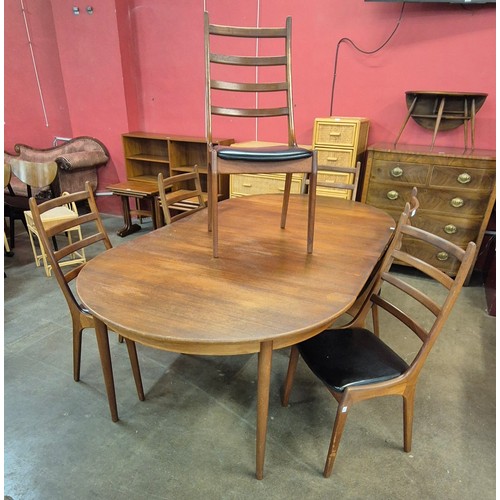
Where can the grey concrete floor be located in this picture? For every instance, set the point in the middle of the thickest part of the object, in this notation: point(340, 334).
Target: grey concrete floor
point(194, 435)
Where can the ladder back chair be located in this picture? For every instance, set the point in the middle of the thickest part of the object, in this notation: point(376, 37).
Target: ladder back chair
point(180, 195)
point(35, 176)
point(267, 94)
point(7, 172)
point(355, 364)
point(347, 182)
point(355, 309)
point(95, 237)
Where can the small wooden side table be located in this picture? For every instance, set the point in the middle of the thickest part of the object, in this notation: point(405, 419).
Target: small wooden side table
point(443, 111)
point(139, 190)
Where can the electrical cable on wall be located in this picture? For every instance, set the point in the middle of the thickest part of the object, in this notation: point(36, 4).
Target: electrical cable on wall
point(348, 40)
point(30, 43)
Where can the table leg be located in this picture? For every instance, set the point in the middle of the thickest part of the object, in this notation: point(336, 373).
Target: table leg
point(128, 228)
point(263, 384)
point(101, 331)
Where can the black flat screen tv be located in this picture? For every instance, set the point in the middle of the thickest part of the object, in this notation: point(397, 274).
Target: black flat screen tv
point(463, 2)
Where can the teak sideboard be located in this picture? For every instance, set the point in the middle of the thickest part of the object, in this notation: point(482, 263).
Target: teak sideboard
point(456, 191)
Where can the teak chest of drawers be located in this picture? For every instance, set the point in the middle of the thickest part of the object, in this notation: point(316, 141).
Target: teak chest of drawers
point(340, 142)
point(456, 190)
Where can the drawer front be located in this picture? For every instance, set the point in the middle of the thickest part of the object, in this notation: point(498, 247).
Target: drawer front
point(463, 178)
point(247, 184)
point(401, 172)
point(428, 253)
point(342, 177)
point(457, 203)
point(345, 194)
point(390, 197)
point(336, 133)
point(455, 229)
point(335, 157)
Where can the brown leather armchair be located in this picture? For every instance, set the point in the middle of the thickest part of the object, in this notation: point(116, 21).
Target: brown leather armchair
point(77, 160)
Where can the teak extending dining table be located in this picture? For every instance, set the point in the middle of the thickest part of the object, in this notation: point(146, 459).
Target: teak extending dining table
point(264, 292)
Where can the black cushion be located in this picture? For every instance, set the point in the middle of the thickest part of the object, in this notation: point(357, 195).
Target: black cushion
point(270, 153)
point(343, 358)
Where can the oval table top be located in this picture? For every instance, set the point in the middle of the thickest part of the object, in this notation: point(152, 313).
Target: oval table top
point(165, 290)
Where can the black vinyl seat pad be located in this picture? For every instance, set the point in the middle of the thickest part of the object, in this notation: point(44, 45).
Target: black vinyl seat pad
point(350, 357)
point(264, 154)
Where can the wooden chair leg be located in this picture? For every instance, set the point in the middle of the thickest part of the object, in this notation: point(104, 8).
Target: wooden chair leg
point(338, 429)
point(408, 408)
point(375, 320)
point(292, 367)
point(311, 212)
point(214, 214)
point(101, 331)
point(134, 362)
point(77, 352)
point(286, 198)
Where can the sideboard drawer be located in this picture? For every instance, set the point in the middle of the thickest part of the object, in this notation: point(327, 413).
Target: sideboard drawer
point(463, 178)
point(458, 230)
point(428, 253)
point(396, 171)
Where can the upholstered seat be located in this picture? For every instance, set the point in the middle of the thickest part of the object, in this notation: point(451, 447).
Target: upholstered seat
point(271, 153)
point(354, 356)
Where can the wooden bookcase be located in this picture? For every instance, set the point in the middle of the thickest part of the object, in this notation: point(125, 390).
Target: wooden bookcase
point(148, 154)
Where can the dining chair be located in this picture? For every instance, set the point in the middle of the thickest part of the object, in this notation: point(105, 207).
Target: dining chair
point(7, 172)
point(180, 195)
point(253, 86)
point(366, 291)
point(36, 177)
point(52, 217)
point(355, 364)
point(95, 236)
point(340, 177)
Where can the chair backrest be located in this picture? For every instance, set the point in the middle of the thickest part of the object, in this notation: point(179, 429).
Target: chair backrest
point(340, 183)
point(413, 304)
point(7, 172)
point(256, 74)
point(180, 193)
point(92, 228)
point(34, 174)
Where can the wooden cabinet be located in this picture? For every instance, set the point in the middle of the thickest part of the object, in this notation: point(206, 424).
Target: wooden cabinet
point(148, 154)
point(248, 184)
point(456, 190)
point(339, 142)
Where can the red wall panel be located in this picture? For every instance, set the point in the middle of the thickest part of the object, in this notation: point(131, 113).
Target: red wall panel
point(138, 64)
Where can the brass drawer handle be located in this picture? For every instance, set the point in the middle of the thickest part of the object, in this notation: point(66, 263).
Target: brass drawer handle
point(397, 172)
point(247, 185)
point(457, 202)
point(442, 256)
point(393, 195)
point(335, 134)
point(332, 158)
point(464, 178)
point(450, 229)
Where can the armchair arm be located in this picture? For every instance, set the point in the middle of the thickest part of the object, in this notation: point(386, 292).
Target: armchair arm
point(81, 159)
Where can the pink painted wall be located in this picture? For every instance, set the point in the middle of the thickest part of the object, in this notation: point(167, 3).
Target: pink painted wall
point(138, 64)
